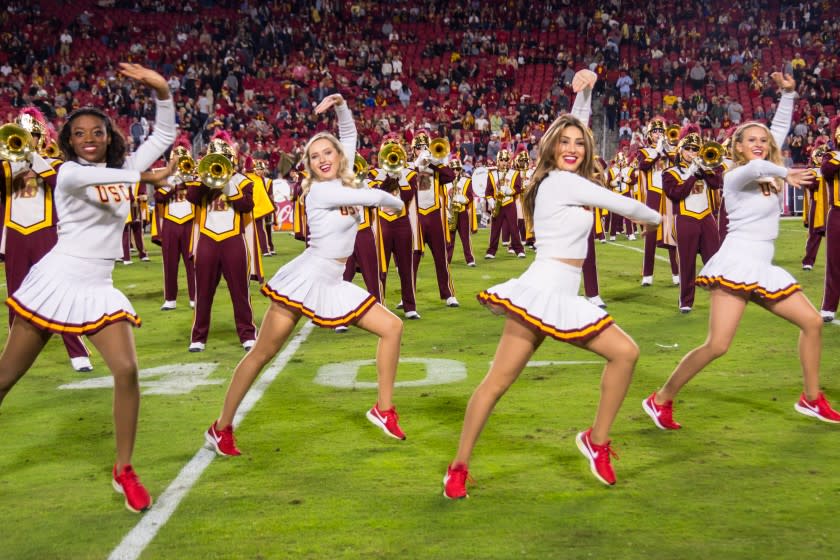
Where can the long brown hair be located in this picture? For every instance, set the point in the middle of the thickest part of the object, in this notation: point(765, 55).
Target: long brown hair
point(774, 155)
point(345, 169)
point(546, 161)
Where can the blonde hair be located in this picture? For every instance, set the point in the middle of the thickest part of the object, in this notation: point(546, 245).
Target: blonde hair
point(774, 155)
point(345, 168)
point(546, 161)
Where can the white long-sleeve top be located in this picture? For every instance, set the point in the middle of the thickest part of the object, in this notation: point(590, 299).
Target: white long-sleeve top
point(582, 106)
point(333, 214)
point(346, 131)
point(752, 214)
point(563, 213)
point(92, 201)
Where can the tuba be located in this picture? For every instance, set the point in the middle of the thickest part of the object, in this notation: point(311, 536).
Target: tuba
point(15, 143)
point(392, 157)
point(711, 154)
point(672, 133)
point(439, 148)
point(215, 170)
point(498, 196)
point(186, 163)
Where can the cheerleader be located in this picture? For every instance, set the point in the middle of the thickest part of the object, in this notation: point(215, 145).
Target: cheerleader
point(311, 285)
point(743, 271)
point(70, 290)
point(544, 301)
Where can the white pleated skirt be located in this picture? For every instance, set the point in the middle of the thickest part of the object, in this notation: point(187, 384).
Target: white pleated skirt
point(745, 267)
point(71, 295)
point(546, 298)
point(315, 286)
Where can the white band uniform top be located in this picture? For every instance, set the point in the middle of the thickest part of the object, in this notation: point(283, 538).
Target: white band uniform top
point(312, 282)
point(744, 262)
point(70, 289)
point(546, 296)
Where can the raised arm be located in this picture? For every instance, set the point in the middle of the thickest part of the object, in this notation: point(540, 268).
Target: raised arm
point(784, 112)
point(164, 132)
point(346, 126)
point(744, 177)
point(582, 85)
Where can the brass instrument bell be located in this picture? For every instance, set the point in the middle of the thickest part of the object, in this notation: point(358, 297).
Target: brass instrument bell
point(215, 170)
point(51, 150)
point(439, 148)
point(711, 153)
point(186, 163)
point(672, 133)
point(15, 142)
point(360, 167)
point(392, 157)
point(817, 155)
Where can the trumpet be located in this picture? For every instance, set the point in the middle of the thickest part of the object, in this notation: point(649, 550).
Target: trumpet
point(392, 157)
point(15, 143)
point(672, 133)
point(51, 150)
point(360, 167)
point(215, 170)
point(186, 163)
point(439, 148)
point(711, 154)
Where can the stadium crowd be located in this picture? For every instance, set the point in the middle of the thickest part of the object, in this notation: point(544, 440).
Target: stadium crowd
point(487, 75)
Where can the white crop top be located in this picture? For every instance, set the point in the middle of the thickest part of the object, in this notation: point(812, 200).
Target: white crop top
point(563, 213)
point(92, 201)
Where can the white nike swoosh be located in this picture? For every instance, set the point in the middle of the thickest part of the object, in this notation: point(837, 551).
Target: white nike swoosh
point(217, 438)
point(812, 408)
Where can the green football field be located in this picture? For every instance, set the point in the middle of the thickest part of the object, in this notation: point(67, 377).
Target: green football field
point(747, 477)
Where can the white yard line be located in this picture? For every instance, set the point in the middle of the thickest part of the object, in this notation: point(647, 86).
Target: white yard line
point(153, 520)
point(642, 251)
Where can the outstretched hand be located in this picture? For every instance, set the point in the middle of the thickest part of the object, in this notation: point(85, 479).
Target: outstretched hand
point(334, 100)
point(784, 81)
point(584, 79)
point(800, 177)
point(146, 76)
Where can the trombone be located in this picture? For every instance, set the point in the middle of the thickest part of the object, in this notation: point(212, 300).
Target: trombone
point(672, 133)
point(392, 157)
point(215, 170)
point(186, 164)
point(711, 154)
point(360, 167)
point(15, 143)
point(439, 148)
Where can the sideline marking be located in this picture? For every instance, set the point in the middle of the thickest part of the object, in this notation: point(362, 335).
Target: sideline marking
point(142, 534)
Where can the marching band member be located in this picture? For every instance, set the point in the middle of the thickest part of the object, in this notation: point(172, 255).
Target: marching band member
point(503, 186)
point(432, 176)
point(134, 225)
point(70, 289)
point(652, 160)
point(831, 175)
point(743, 271)
point(522, 163)
point(544, 301)
point(620, 178)
point(815, 209)
point(29, 218)
point(462, 218)
point(688, 184)
point(399, 236)
point(310, 285)
point(263, 205)
point(175, 216)
point(223, 216)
